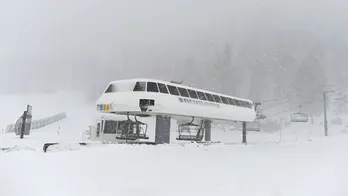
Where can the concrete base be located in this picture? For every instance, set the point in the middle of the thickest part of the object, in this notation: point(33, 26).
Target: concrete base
point(162, 130)
point(244, 139)
point(207, 127)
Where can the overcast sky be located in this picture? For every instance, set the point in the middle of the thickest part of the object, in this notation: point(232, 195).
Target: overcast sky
point(51, 37)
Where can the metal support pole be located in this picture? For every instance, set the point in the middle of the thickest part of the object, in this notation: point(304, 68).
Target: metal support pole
point(24, 117)
point(325, 115)
point(244, 133)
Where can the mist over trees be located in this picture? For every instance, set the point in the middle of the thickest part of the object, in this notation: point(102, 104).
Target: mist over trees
point(255, 49)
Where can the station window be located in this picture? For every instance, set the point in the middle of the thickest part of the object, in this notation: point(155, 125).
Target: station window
point(236, 101)
point(201, 96)
point(224, 100)
point(247, 104)
point(120, 87)
point(217, 99)
point(162, 88)
point(140, 86)
point(152, 87)
point(121, 125)
point(209, 97)
point(173, 90)
point(241, 103)
point(192, 94)
point(101, 126)
point(183, 92)
point(111, 88)
point(110, 127)
point(230, 101)
point(98, 128)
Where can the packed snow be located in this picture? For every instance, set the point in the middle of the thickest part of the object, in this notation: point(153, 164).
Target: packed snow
point(299, 160)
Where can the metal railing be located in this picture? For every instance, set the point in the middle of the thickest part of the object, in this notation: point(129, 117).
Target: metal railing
point(39, 123)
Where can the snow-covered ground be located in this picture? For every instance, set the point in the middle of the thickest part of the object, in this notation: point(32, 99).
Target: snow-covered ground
point(299, 163)
point(316, 168)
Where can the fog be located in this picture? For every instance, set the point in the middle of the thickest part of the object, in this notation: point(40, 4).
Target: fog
point(259, 49)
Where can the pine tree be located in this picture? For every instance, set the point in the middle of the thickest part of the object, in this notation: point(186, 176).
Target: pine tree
point(310, 77)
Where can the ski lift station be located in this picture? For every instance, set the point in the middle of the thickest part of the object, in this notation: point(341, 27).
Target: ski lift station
point(126, 104)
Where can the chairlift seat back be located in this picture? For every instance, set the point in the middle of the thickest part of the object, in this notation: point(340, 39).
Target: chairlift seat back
point(299, 117)
point(253, 126)
point(190, 132)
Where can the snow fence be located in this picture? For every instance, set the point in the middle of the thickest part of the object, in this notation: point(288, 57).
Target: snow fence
point(37, 124)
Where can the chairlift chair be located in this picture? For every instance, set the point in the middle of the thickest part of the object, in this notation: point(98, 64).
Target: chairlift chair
point(140, 129)
point(299, 116)
point(254, 126)
point(132, 130)
point(190, 132)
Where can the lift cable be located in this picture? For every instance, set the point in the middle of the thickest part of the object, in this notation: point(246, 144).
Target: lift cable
point(288, 110)
point(277, 99)
point(283, 98)
point(294, 95)
point(276, 105)
point(283, 103)
point(288, 97)
point(306, 103)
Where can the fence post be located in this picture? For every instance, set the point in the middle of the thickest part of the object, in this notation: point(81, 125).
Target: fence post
point(244, 133)
point(24, 117)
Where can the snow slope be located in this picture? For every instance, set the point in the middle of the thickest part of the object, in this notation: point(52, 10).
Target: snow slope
point(301, 169)
point(265, 167)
